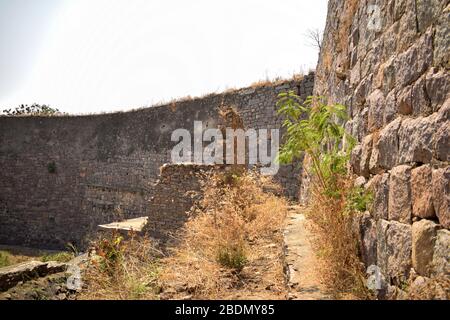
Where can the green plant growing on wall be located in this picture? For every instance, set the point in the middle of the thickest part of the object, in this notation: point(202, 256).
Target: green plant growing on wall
point(316, 129)
point(51, 167)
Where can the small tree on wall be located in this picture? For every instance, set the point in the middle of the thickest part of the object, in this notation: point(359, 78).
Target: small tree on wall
point(34, 109)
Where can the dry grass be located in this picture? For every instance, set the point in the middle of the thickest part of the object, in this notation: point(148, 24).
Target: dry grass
point(121, 270)
point(336, 244)
point(231, 247)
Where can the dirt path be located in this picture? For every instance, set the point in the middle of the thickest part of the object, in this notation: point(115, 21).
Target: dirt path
point(304, 282)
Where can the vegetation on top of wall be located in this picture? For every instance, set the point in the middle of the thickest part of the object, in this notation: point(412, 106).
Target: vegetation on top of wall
point(32, 110)
point(315, 128)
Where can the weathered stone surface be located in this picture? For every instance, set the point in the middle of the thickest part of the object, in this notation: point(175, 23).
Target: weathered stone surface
point(366, 153)
point(385, 148)
point(441, 195)
point(421, 192)
point(399, 245)
point(10, 276)
point(407, 33)
point(441, 256)
point(390, 110)
point(355, 159)
point(441, 142)
point(415, 139)
point(388, 70)
point(382, 254)
point(438, 87)
point(376, 110)
point(427, 11)
point(411, 64)
point(423, 240)
point(394, 245)
point(368, 239)
point(421, 104)
point(442, 40)
point(379, 186)
point(404, 101)
point(400, 194)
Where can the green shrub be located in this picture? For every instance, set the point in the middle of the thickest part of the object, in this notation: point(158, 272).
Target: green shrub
point(232, 257)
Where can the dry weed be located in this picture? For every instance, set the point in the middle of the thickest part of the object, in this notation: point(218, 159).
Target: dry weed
point(336, 243)
point(231, 242)
point(121, 270)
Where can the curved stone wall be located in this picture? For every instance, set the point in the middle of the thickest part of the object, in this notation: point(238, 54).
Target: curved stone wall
point(107, 165)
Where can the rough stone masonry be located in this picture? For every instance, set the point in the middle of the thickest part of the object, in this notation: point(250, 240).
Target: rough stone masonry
point(393, 74)
point(107, 166)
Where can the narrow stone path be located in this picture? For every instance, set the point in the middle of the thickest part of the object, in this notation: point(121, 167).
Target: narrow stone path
point(303, 279)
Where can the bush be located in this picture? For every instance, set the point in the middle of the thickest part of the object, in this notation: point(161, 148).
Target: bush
point(232, 256)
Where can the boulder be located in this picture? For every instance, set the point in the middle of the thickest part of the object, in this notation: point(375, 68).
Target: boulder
point(400, 194)
point(423, 240)
point(421, 192)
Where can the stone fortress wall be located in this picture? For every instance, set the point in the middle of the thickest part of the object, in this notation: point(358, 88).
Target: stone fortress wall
point(107, 166)
point(388, 61)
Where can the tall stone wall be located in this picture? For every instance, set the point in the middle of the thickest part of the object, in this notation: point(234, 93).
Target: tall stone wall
point(388, 61)
point(108, 165)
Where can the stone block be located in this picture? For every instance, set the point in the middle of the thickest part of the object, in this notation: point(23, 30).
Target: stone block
point(415, 140)
point(423, 240)
point(376, 103)
point(441, 255)
point(442, 40)
point(421, 192)
point(411, 64)
point(379, 186)
point(400, 194)
point(394, 247)
point(385, 148)
point(441, 195)
point(438, 87)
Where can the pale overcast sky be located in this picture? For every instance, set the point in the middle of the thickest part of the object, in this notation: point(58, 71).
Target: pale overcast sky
point(87, 56)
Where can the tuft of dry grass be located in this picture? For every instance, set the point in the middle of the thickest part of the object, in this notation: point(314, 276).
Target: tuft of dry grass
point(121, 269)
point(336, 242)
point(231, 247)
